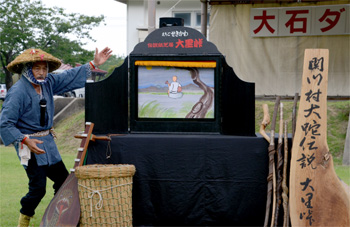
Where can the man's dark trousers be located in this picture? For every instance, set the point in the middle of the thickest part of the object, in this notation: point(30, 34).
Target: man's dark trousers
point(37, 183)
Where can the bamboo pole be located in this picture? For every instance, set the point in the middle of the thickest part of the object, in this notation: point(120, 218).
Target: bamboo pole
point(284, 182)
point(265, 122)
point(271, 152)
point(279, 166)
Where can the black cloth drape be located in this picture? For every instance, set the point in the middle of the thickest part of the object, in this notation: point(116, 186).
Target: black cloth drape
point(192, 179)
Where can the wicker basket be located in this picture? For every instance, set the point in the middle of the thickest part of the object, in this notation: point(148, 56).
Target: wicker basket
point(105, 193)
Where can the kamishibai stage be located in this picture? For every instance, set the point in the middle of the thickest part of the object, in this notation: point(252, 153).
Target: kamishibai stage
point(181, 115)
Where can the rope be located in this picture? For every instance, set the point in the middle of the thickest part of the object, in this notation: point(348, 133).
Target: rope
point(109, 150)
point(99, 205)
point(171, 8)
point(44, 133)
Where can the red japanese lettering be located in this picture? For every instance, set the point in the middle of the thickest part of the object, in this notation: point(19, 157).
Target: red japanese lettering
point(179, 43)
point(264, 22)
point(291, 22)
point(198, 43)
point(189, 43)
point(326, 18)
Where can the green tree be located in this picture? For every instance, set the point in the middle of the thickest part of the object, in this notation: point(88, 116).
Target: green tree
point(113, 62)
point(28, 24)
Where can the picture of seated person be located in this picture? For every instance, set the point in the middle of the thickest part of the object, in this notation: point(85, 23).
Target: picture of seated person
point(175, 90)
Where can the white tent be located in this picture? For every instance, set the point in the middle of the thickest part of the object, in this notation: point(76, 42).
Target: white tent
point(274, 64)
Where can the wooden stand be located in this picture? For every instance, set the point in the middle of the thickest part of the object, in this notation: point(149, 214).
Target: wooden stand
point(317, 197)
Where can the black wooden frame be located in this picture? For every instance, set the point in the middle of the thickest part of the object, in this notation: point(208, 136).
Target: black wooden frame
point(112, 104)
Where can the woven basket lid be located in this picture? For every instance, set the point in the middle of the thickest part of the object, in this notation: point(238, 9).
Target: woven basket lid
point(105, 171)
point(33, 55)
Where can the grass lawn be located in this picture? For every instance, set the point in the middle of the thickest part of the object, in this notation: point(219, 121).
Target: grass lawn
point(14, 185)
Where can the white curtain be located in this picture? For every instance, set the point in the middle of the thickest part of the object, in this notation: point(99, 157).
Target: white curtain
point(275, 64)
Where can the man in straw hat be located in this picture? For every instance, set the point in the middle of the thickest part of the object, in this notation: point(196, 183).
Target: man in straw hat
point(27, 118)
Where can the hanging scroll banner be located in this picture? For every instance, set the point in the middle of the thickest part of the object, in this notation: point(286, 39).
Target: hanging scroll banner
point(317, 197)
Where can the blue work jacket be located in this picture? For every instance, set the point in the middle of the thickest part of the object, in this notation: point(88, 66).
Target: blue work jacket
point(20, 113)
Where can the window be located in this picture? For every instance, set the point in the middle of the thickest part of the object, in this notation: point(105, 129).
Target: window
point(199, 18)
point(186, 17)
point(191, 18)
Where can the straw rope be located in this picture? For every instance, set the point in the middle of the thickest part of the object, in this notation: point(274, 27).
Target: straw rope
point(45, 133)
point(99, 204)
point(105, 194)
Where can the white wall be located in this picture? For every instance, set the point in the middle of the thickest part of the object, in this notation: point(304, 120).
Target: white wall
point(137, 16)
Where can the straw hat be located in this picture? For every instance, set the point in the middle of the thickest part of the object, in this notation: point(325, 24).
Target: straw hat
point(33, 55)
